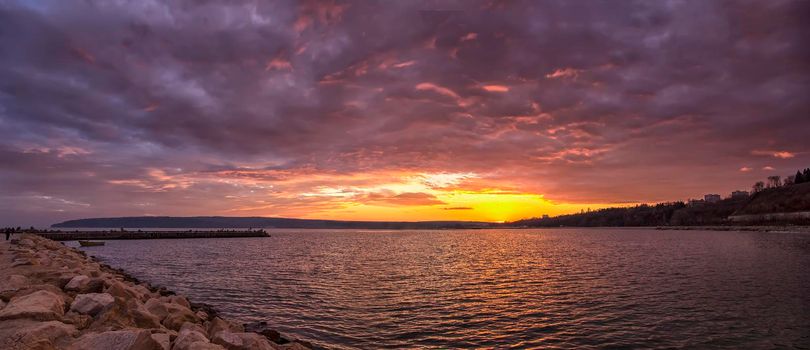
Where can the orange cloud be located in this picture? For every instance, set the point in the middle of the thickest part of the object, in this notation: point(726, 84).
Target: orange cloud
point(564, 73)
point(278, 64)
point(438, 89)
point(496, 88)
point(775, 154)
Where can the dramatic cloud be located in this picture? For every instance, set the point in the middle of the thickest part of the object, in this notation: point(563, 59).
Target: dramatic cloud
point(396, 110)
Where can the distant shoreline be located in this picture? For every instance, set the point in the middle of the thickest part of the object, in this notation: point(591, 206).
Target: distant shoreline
point(784, 229)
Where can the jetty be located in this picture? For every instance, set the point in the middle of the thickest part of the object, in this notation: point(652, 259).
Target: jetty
point(56, 297)
point(118, 235)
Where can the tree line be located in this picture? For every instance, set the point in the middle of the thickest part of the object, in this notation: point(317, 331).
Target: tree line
point(774, 181)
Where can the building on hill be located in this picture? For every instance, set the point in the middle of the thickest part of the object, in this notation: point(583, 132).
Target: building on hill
point(712, 198)
point(694, 202)
point(739, 194)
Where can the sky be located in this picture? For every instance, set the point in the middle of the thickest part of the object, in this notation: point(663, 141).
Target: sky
point(393, 110)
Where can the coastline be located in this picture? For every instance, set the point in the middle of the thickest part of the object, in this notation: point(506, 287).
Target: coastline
point(775, 229)
point(56, 297)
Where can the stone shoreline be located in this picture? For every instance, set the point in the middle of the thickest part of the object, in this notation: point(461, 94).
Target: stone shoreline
point(56, 297)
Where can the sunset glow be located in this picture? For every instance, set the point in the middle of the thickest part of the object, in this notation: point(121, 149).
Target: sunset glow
point(362, 111)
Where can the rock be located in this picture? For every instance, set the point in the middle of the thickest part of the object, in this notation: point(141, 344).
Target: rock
point(129, 339)
point(218, 325)
point(190, 340)
point(15, 282)
point(188, 326)
point(177, 315)
point(201, 315)
point(92, 303)
point(78, 320)
point(25, 242)
point(121, 290)
point(40, 305)
point(141, 317)
point(175, 299)
point(77, 283)
point(30, 334)
point(264, 330)
point(163, 339)
point(2, 304)
point(294, 346)
point(242, 341)
point(157, 308)
point(22, 262)
point(228, 340)
point(64, 279)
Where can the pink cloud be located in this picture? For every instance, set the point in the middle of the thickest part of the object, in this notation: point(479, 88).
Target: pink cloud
point(564, 73)
point(775, 154)
point(496, 88)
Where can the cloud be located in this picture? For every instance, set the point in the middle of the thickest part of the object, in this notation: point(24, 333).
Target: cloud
point(745, 169)
point(458, 208)
point(775, 154)
point(496, 88)
point(263, 106)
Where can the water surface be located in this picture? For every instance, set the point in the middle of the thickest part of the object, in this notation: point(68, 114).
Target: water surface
point(551, 288)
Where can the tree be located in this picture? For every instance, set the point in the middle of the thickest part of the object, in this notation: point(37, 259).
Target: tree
point(798, 178)
point(806, 175)
point(758, 187)
point(789, 180)
point(774, 181)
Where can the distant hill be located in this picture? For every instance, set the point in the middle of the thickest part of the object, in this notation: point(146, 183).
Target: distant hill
point(785, 199)
point(258, 222)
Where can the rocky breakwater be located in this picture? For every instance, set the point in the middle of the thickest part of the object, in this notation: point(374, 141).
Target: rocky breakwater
point(56, 297)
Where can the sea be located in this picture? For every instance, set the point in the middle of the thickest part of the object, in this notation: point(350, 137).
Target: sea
point(566, 288)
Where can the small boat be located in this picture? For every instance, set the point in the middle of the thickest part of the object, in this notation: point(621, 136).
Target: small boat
point(90, 243)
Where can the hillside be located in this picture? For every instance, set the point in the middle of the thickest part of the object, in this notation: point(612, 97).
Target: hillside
point(784, 199)
point(257, 222)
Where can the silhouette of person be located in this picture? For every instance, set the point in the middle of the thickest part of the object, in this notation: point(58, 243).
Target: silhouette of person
point(8, 234)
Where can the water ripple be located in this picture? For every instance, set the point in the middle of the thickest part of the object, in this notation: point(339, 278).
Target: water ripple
point(564, 288)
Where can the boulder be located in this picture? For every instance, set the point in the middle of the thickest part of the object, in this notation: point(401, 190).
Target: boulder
point(15, 282)
point(30, 334)
point(25, 242)
point(78, 320)
point(242, 341)
point(189, 339)
point(157, 308)
point(77, 283)
point(165, 340)
point(263, 329)
point(141, 317)
point(188, 326)
point(294, 346)
point(22, 262)
point(129, 339)
point(217, 325)
point(177, 315)
point(92, 303)
point(176, 299)
point(41, 305)
point(122, 290)
point(11, 285)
